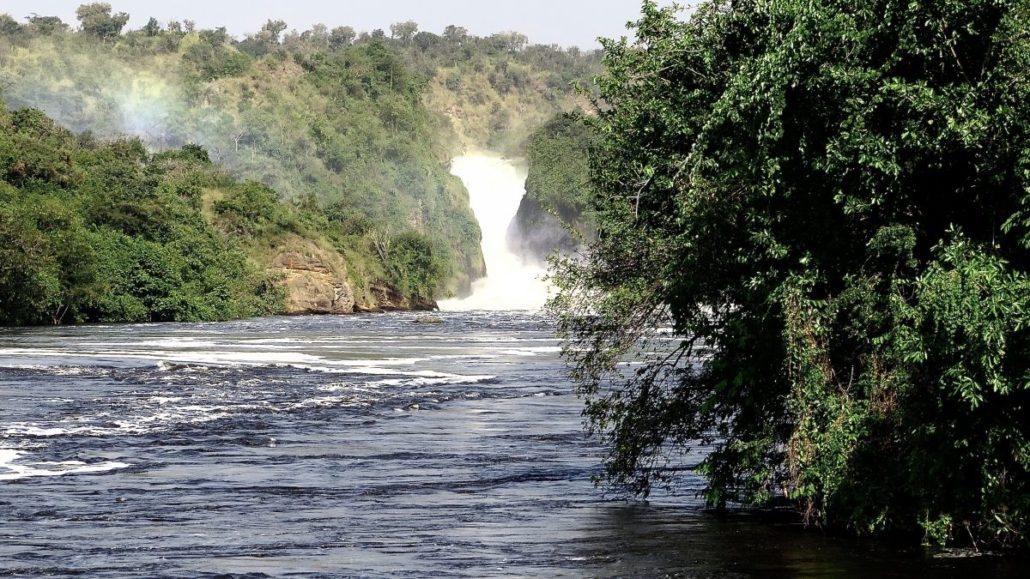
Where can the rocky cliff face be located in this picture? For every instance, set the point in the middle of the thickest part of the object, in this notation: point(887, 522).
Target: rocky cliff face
point(535, 233)
point(380, 298)
point(315, 282)
point(315, 279)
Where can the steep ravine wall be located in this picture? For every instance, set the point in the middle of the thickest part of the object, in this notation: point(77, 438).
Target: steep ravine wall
point(316, 282)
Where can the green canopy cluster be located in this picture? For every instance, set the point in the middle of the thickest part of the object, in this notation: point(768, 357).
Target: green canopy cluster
point(104, 231)
point(813, 253)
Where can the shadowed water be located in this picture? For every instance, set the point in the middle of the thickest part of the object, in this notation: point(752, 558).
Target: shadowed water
point(346, 446)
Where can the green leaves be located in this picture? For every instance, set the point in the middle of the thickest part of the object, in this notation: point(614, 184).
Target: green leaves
point(831, 197)
point(973, 305)
point(119, 240)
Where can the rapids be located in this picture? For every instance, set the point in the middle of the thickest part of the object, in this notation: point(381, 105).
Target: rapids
point(364, 445)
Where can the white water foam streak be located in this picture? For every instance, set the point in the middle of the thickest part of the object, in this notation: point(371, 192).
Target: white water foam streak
point(13, 466)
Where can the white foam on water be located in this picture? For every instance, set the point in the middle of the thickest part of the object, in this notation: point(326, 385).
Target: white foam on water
point(68, 371)
point(496, 187)
point(166, 399)
point(377, 371)
point(534, 351)
point(442, 380)
point(26, 429)
point(162, 411)
point(244, 358)
point(421, 382)
point(326, 402)
point(171, 361)
point(168, 343)
point(8, 455)
point(148, 411)
point(162, 417)
point(13, 467)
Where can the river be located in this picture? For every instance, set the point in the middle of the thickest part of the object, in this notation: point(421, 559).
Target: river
point(365, 445)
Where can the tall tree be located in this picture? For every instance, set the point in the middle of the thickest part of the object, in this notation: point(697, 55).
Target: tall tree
point(8, 25)
point(403, 31)
point(96, 20)
point(455, 34)
point(272, 30)
point(341, 36)
point(46, 25)
point(826, 203)
point(152, 27)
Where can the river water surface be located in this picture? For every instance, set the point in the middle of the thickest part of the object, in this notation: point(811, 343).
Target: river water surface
point(346, 446)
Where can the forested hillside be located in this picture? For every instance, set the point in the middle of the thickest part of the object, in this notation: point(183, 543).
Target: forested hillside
point(555, 212)
point(103, 231)
point(357, 128)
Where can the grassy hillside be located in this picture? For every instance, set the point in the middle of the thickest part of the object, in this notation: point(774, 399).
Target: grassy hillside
point(497, 90)
point(358, 128)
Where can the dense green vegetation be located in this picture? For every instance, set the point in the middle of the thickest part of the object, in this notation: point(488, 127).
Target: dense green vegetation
point(359, 126)
point(497, 90)
point(104, 231)
point(827, 202)
point(554, 214)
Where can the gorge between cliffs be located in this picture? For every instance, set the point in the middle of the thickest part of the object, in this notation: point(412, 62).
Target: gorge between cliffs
point(316, 278)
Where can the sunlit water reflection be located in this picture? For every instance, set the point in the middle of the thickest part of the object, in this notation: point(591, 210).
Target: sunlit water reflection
point(355, 446)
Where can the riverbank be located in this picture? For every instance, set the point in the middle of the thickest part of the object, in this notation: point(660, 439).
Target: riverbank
point(315, 282)
point(108, 231)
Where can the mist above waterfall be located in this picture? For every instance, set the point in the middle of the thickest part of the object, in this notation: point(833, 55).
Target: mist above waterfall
point(496, 187)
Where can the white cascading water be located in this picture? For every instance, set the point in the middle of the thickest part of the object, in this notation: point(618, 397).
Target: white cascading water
point(496, 187)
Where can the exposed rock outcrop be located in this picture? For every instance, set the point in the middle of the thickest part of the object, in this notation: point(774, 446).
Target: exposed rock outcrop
point(535, 233)
point(381, 298)
point(315, 281)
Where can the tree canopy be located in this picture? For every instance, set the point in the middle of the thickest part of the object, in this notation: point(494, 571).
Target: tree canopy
point(96, 19)
point(813, 232)
point(104, 231)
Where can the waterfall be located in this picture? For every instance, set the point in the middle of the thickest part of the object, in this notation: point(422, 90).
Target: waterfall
point(496, 187)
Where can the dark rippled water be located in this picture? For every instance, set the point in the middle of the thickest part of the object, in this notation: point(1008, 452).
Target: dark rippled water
point(346, 446)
